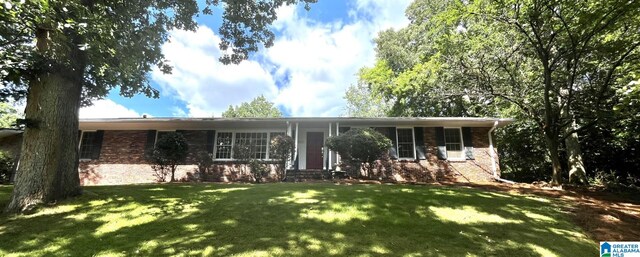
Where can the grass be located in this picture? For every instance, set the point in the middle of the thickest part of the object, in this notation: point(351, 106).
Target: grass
point(293, 220)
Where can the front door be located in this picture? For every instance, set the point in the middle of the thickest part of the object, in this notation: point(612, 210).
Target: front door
point(314, 150)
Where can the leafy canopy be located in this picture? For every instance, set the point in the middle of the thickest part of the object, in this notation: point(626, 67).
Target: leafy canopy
point(361, 102)
point(259, 107)
point(360, 144)
point(120, 41)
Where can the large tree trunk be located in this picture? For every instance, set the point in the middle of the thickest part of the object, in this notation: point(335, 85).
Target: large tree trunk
point(577, 171)
point(552, 146)
point(49, 159)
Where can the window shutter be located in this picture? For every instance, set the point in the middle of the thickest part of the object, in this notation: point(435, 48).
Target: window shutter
point(97, 145)
point(210, 137)
point(393, 153)
point(151, 141)
point(468, 143)
point(440, 143)
point(419, 143)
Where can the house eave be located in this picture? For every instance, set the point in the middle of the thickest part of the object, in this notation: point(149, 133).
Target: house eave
point(208, 123)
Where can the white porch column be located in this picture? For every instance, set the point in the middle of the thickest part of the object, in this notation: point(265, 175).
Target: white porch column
point(329, 150)
point(337, 134)
point(295, 157)
point(289, 160)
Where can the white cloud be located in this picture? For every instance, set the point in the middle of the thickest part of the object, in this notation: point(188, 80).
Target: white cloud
point(315, 61)
point(107, 109)
point(322, 60)
point(198, 78)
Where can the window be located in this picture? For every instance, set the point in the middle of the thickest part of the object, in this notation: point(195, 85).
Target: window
point(405, 143)
point(87, 144)
point(223, 145)
point(453, 143)
point(257, 141)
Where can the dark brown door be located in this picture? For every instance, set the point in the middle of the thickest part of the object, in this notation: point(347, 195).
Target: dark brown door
point(314, 150)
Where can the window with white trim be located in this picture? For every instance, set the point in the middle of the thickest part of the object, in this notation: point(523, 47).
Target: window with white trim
point(406, 148)
point(453, 143)
point(87, 144)
point(257, 141)
point(223, 145)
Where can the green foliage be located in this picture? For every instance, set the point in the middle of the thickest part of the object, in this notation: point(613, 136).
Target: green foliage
point(360, 145)
point(549, 63)
point(6, 166)
point(246, 25)
point(259, 107)
point(170, 151)
point(361, 102)
point(8, 115)
point(119, 42)
point(259, 169)
point(204, 161)
point(523, 157)
point(281, 150)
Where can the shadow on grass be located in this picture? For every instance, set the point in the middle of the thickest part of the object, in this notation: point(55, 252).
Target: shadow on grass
point(294, 220)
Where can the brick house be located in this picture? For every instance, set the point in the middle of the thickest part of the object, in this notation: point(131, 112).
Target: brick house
point(112, 151)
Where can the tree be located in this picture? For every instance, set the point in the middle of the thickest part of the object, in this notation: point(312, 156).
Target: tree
point(170, 151)
point(557, 62)
point(281, 150)
point(360, 145)
point(82, 50)
point(361, 102)
point(8, 115)
point(259, 107)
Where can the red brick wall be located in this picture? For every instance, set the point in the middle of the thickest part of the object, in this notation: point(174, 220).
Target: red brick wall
point(122, 159)
point(122, 162)
point(433, 169)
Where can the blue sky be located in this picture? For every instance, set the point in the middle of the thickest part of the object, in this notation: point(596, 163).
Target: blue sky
point(314, 59)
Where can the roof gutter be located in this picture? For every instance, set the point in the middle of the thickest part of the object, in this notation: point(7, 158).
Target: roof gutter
point(494, 169)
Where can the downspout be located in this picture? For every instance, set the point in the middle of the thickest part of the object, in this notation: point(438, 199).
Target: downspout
point(493, 158)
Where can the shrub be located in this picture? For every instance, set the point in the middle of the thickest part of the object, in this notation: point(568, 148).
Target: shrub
point(281, 150)
point(204, 161)
point(259, 169)
point(360, 146)
point(170, 151)
point(6, 166)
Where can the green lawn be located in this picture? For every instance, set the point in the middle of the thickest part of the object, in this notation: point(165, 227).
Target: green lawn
point(294, 220)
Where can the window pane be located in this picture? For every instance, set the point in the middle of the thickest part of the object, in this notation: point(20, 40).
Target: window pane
point(223, 145)
point(256, 141)
point(405, 143)
point(453, 142)
point(86, 146)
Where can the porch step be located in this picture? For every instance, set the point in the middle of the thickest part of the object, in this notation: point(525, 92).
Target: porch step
point(306, 175)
